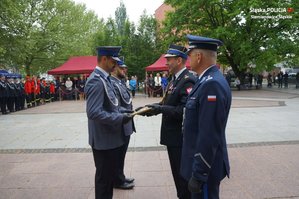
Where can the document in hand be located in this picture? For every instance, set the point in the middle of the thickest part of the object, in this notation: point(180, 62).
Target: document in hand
point(141, 111)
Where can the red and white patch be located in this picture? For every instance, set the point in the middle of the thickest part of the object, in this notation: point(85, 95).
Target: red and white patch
point(212, 98)
point(189, 90)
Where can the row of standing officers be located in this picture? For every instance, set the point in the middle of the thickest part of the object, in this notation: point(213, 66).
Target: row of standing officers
point(194, 115)
point(16, 95)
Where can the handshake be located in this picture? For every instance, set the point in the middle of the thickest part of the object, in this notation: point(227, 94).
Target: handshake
point(148, 110)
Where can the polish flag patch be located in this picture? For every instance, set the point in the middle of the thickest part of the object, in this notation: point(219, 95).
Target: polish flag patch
point(212, 98)
point(189, 90)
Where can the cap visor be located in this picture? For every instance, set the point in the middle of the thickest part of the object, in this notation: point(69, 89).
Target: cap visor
point(116, 58)
point(170, 55)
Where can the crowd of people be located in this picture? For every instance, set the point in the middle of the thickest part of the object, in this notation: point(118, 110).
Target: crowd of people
point(280, 79)
point(156, 85)
point(17, 94)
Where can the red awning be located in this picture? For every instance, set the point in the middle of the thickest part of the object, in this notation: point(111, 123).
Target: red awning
point(160, 64)
point(76, 65)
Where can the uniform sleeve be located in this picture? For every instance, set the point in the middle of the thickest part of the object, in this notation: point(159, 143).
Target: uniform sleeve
point(177, 111)
point(211, 117)
point(95, 93)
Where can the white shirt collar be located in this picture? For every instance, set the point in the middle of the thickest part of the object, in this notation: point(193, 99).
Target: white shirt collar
point(180, 72)
point(103, 71)
point(200, 76)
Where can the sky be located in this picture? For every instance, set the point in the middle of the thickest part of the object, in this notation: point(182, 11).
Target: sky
point(106, 8)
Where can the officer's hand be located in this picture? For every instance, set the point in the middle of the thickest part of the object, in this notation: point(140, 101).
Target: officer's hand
point(155, 107)
point(137, 109)
point(126, 111)
point(194, 185)
point(127, 117)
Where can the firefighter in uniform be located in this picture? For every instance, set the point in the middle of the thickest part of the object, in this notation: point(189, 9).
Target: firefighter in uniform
point(28, 91)
point(172, 107)
point(204, 156)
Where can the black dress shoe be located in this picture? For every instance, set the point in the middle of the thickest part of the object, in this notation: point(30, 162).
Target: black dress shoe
point(129, 180)
point(125, 185)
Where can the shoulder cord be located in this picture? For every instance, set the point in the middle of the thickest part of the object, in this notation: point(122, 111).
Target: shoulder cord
point(128, 102)
point(115, 102)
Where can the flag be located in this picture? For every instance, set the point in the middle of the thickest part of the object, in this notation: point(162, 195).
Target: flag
point(212, 98)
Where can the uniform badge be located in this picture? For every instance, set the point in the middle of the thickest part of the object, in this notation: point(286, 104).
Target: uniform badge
point(212, 98)
point(209, 78)
point(189, 90)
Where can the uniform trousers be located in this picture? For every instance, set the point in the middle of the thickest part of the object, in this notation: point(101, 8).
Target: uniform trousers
point(105, 163)
point(210, 191)
point(174, 154)
point(11, 104)
point(28, 100)
point(120, 177)
point(3, 101)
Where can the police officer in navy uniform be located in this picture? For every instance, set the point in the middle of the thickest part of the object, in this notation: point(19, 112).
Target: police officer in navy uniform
point(204, 155)
point(105, 121)
point(172, 107)
point(3, 94)
point(125, 102)
point(11, 95)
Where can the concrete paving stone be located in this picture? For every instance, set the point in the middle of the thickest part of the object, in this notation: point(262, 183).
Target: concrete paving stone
point(235, 194)
point(16, 181)
point(154, 192)
point(171, 190)
point(52, 193)
point(150, 178)
point(8, 193)
point(149, 156)
point(258, 171)
point(153, 165)
point(165, 165)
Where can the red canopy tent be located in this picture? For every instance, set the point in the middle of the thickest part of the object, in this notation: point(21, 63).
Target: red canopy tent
point(76, 65)
point(160, 65)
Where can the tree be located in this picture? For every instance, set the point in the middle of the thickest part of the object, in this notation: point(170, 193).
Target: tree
point(139, 46)
point(121, 17)
point(249, 39)
point(41, 34)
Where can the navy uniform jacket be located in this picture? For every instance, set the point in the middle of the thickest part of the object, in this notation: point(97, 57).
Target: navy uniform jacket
point(104, 118)
point(204, 153)
point(173, 107)
point(11, 90)
point(3, 89)
point(125, 101)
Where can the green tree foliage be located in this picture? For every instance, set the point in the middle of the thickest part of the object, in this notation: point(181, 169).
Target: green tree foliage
point(41, 34)
point(121, 18)
point(249, 42)
point(139, 45)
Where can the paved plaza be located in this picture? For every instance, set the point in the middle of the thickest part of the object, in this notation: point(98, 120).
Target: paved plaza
point(44, 152)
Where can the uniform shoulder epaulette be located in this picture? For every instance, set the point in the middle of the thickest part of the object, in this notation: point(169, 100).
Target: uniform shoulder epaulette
point(186, 76)
point(209, 78)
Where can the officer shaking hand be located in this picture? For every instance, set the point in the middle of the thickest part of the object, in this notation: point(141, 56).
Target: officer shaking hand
point(105, 121)
point(172, 107)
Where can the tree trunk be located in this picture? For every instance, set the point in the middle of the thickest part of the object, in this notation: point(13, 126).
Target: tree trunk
point(27, 69)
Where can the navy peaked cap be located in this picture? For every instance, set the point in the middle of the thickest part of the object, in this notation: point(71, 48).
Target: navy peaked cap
point(203, 43)
point(121, 64)
point(176, 51)
point(111, 51)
